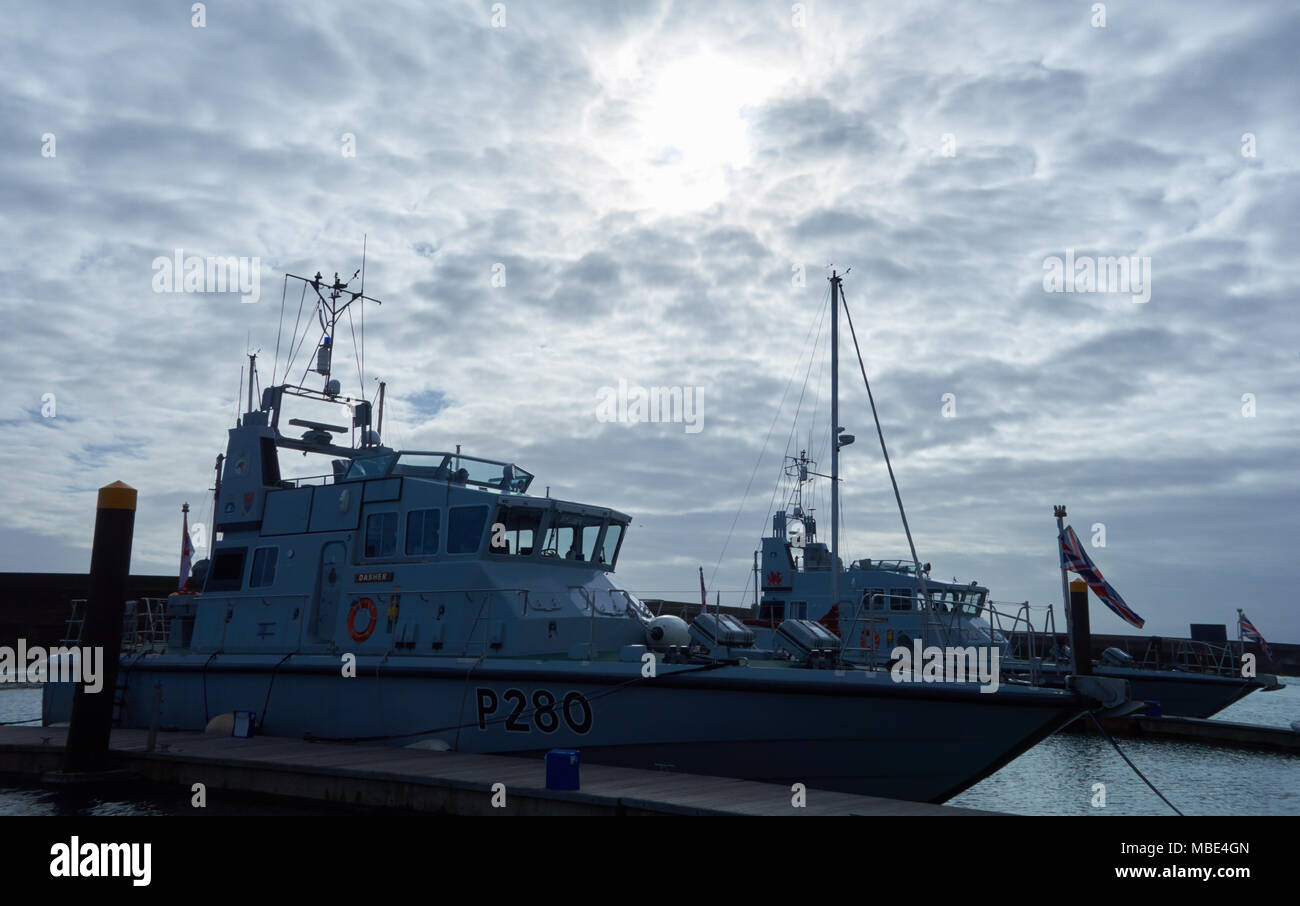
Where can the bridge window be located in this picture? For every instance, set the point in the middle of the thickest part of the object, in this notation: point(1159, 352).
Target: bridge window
point(422, 527)
point(609, 548)
point(900, 599)
point(370, 467)
point(227, 570)
point(465, 528)
point(263, 572)
point(572, 536)
point(381, 535)
point(523, 526)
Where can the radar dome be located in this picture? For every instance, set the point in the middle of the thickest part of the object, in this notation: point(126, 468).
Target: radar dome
point(667, 630)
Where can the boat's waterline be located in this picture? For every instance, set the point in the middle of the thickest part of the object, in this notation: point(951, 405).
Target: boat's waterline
point(852, 731)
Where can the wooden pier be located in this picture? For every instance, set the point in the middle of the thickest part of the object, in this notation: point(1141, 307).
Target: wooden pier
point(1195, 729)
point(428, 781)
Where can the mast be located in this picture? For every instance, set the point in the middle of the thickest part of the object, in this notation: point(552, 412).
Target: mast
point(835, 439)
point(1241, 639)
point(252, 374)
point(1059, 512)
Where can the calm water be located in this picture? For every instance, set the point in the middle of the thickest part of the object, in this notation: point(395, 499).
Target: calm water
point(1054, 778)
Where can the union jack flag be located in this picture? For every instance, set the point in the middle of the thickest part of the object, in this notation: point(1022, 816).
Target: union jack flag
point(187, 549)
point(1076, 559)
point(1251, 634)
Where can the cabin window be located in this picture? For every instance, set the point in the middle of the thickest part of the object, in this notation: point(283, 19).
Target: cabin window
point(771, 610)
point(609, 548)
point(227, 570)
point(572, 536)
point(465, 528)
point(874, 598)
point(422, 527)
point(900, 599)
point(263, 572)
point(381, 535)
point(523, 526)
point(370, 467)
point(798, 610)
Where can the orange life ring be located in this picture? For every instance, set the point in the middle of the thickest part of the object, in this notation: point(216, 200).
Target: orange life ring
point(369, 606)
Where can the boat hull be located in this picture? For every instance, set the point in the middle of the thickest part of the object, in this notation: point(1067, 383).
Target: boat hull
point(1179, 694)
point(849, 731)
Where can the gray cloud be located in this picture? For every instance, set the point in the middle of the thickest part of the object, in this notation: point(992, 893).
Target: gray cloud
point(658, 239)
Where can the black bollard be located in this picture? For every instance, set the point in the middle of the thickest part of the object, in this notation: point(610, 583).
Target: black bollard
point(1080, 631)
point(110, 568)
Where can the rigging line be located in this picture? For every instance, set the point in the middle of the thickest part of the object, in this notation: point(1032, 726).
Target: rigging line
point(1112, 741)
point(293, 354)
point(816, 403)
point(822, 368)
point(884, 450)
point(279, 328)
point(794, 423)
point(355, 354)
point(794, 427)
point(363, 315)
point(757, 463)
point(308, 367)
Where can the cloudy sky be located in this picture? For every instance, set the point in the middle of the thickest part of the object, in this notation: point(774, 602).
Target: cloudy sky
point(558, 196)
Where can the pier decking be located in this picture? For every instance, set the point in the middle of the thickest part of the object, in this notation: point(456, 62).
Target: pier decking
point(1195, 729)
point(429, 781)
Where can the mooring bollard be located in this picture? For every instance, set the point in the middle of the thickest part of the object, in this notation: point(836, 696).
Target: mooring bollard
point(1080, 630)
point(110, 568)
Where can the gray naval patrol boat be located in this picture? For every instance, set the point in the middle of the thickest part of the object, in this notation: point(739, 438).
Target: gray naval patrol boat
point(478, 617)
point(888, 603)
point(878, 606)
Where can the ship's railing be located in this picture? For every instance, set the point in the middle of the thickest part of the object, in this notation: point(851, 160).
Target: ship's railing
point(892, 566)
point(144, 625)
point(1010, 628)
point(872, 610)
point(303, 480)
point(611, 602)
point(1191, 656)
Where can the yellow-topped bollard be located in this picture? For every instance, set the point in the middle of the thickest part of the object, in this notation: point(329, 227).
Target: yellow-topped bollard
point(1080, 628)
point(110, 570)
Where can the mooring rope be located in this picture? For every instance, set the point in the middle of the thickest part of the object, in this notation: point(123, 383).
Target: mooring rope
point(1112, 741)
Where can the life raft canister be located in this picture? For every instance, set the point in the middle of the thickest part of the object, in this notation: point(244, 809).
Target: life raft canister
point(360, 635)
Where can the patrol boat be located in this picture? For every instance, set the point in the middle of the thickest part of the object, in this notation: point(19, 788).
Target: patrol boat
point(428, 599)
point(891, 603)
